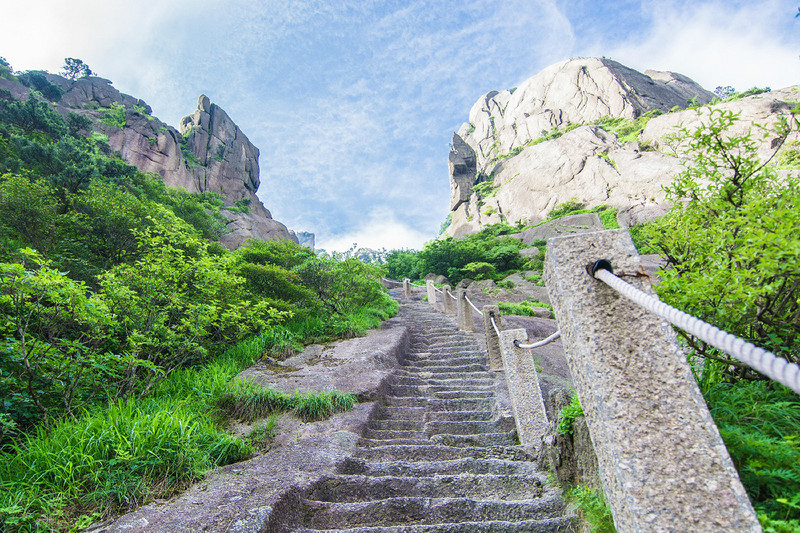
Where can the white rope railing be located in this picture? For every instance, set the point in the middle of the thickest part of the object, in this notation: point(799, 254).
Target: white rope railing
point(494, 324)
point(769, 364)
point(453, 297)
point(555, 336)
point(472, 304)
point(437, 289)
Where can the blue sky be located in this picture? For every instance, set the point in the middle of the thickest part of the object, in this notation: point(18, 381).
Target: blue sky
point(353, 103)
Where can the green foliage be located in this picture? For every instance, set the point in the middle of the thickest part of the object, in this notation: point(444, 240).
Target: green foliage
point(6, 72)
point(566, 208)
point(524, 308)
point(115, 116)
point(402, 264)
point(75, 68)
point(592, 506)
point(285, 254)
point(37, 81)
point(453, 258)
point(760, 424)
point(789, 157)
point(479, 270)
point(446, 224)
point(730, 241)
point(485, 189)
point(625, 129)
point(568, 415)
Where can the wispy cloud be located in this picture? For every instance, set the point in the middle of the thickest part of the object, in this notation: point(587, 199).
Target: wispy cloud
point(743, 44)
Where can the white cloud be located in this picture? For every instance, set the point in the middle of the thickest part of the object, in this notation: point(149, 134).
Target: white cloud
point(717, 43)
point(379, 229)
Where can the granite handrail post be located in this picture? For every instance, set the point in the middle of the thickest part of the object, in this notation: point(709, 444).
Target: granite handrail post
point(523, 388)
point(449, 308)
point(406, 288)
point(492, 338)
point(464, 311)
point(431, 292)
point(662, 462)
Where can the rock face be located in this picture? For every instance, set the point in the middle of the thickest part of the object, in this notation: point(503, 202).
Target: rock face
point(209, 153)
point(526, 175)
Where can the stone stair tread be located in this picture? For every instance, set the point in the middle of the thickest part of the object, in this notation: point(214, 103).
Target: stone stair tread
point(406, 452)
point(563, 524)
point(344, 488)
point(419, 510)
point(463, 465)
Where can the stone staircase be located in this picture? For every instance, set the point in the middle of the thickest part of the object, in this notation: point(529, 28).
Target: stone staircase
point(436, 457)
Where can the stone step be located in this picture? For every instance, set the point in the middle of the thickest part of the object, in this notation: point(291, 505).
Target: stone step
point(464, 395)
point(469, 428)
point(426, 452)
point(392, 434)
point(464, 380)
point(412, 510)
point(566, 524)
point(506, 438)
point(459, 416)
point(423, 374)
point(456, 369)
point(458, 391)
point(450, 361)
point(356, 488)
point(372, 443)
point(441, 404)
point(464, 465)
point(421, 415)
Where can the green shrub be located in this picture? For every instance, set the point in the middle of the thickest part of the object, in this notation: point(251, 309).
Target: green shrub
point(525, 308)
point(568, 415)
point(115, 116)
point(730, 241)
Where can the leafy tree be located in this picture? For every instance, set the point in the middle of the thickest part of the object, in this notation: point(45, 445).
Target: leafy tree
point(37, 80)
point(5, 69)
point(53, 356)
point(286, 254)
point(75, 68)
point(731, 241)
point(176, 305)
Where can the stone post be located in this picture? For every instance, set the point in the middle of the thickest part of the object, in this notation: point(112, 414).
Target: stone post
point(492, 339)
point(406, 288)
point(662, 462)
point(464, 311)
point(431, 292)
point(523, 388)
point(449, 308)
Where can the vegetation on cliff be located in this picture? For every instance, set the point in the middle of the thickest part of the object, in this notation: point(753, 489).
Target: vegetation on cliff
point(124, 321)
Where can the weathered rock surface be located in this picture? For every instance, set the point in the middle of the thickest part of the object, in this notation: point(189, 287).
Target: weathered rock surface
point(355, 365)
point(576, 90)
point(210, 153)
point(588, 164)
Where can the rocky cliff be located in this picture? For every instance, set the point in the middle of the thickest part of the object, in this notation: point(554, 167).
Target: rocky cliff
point(527, 150)
point(209, 153)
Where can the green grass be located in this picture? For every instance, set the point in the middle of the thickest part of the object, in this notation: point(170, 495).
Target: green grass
point(760, 424)
point(525, 308)
point(592, 506)
point(625, 129)
point(249, 401)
